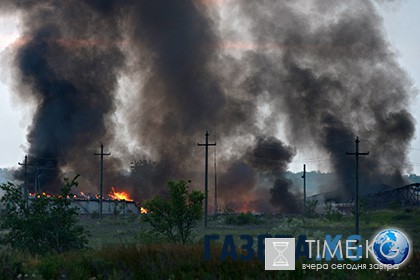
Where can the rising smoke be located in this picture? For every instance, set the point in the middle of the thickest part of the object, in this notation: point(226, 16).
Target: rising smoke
point(313, 73)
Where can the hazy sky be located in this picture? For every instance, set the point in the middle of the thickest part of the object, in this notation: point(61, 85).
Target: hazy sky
point(401, 22)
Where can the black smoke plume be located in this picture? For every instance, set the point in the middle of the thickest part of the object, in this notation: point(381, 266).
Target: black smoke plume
point(68, 65)
point(270, 157)
point(334, 77)
point(314, 74)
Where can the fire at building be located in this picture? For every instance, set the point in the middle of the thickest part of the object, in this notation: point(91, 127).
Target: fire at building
point(115, 203)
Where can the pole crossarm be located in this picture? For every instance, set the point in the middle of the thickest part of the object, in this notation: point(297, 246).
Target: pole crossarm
point(206, 171)
point(102, 154)
point(360, 154)
point(357, 154)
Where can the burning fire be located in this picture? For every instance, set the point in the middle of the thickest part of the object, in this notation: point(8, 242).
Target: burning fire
point(120, 195)
point(246, 206)
point(113, 194)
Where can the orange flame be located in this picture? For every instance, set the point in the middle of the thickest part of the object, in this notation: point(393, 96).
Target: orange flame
point(246, 206)
point(143, 210)
point(120, 195)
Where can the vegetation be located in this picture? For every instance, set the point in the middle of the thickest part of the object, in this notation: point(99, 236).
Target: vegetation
point(332, 214)
point(175, 216)
point(163, 261)
point(241, 219)
point(130, 255)
point(42, 225)
point(310, 209)
point(129, 248)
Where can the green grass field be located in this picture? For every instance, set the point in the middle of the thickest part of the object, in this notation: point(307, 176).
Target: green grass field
point(125, 248)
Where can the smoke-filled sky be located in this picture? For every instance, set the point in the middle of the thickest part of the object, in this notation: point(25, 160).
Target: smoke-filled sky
point(281, 83)
point(400, 20)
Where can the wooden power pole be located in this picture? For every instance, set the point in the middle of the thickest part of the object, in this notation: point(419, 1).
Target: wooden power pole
point(101, 184)
point(304, 189)
point(357, 154)
point(25, 184)
point(216, 204)
point(206, 171)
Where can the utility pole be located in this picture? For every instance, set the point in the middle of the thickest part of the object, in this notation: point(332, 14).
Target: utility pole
point(102, 154)
point(206, 171)
point(304, 189)
point(25, 187)
point(36, 183)
point(216, 205)
point(357, 154)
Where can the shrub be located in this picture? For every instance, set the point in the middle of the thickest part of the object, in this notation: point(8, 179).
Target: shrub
point(394, 205)
point(241, 219)
point(310, 210)
point(95, 215)
point(332, 214)
point(175, 216)
point(10, 265)
point(44, 224)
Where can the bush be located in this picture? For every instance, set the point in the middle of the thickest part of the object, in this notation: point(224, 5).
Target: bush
point(175, 216)
point(44, 224)
point(95, 215)
point(292, 226)
point(241, 219)
point(310, 210)
point(10, 265)
point(332, 214)
point(394, 205)
point(295, 226)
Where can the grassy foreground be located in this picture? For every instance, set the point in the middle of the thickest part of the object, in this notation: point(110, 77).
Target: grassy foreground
point(168, 262)
point(126, 249)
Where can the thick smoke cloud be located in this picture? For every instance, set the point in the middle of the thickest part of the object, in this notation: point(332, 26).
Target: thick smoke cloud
point(181, 95)
point(270, 157)
point(257, 182)
point(335, 77)
point(309, 73)
point(68, 65)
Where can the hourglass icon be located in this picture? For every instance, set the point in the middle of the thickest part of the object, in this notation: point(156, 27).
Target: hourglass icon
point(280, 247)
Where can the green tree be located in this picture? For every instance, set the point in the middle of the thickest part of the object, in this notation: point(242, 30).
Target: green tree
point(45, 224)
point(175, 216)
